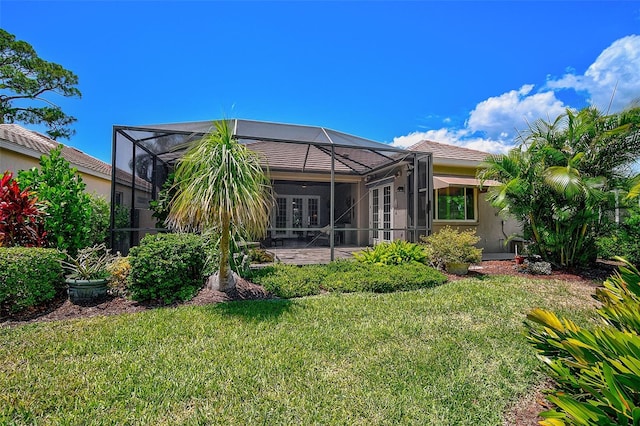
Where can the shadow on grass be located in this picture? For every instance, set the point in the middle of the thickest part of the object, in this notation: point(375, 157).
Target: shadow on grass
point(255, 310)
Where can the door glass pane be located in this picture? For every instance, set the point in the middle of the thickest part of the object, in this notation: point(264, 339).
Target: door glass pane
point(312, 211)
point(281, 215)
point(374, 212)
point(296, 215)
point(387, 212)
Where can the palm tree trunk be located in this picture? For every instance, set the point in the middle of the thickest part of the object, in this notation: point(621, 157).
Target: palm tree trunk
point(223, 273)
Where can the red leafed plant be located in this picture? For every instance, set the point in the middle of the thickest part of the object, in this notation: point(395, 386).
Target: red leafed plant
point(21, 219)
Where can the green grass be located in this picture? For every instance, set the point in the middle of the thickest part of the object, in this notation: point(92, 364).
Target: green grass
point(454, 354)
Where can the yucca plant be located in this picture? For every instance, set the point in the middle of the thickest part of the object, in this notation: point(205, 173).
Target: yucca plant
point(597, 371)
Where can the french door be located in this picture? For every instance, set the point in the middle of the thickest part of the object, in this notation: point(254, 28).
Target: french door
point(295, 211)
point(380, 213)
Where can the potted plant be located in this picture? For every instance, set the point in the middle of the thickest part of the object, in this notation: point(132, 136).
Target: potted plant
point(88, 273)
point(453, 250)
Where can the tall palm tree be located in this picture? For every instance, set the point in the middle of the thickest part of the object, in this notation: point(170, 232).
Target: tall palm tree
point(221, 186)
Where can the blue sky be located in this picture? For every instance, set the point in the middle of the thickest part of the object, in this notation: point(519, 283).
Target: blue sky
point(466, 73)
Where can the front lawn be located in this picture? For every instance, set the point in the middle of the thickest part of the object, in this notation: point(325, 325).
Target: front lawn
point(453, 354)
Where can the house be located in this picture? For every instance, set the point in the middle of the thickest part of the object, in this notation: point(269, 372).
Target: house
point(330, 187)
point(459, 200)
point(21, 149)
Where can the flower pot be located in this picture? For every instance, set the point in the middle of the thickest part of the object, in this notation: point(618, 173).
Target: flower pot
point(457, 268)
point(84, 291)
point(519, 260)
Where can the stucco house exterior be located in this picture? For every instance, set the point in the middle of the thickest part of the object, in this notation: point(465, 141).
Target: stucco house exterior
point(330, 188)
point(21, 149)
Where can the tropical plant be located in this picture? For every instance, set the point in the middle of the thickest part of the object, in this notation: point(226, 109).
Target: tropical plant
point(21, 218)
point(392, 253)
point(221, 186)
point(597, 371)
point(61, 189)
point(160, 206)
point(450, 245)
point(558, 181)
point(90, 263)
point(99, 221)
point(25, 77)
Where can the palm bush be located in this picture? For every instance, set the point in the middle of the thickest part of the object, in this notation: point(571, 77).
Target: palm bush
point(392, 253)
point(597, 371)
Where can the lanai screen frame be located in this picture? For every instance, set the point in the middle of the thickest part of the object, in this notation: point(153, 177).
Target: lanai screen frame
point(352, 155)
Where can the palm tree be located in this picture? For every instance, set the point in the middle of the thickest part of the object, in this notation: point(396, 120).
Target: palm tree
point(221, 186)
point(558, 181)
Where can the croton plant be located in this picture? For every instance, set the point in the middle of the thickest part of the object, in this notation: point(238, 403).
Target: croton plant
point(21, 217)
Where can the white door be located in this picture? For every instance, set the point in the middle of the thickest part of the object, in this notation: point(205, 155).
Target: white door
point(380, 213)
point(295, 211)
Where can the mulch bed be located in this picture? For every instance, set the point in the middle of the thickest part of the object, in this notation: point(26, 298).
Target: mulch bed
point(523, 413)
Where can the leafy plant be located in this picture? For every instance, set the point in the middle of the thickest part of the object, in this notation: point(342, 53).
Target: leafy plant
point(21, 218)
point(119, 271)
point(68, 221)
point(167, 267)
point(597, 371)
point(622, 240)
point(99, 220)
point(28, 277)
point(90, 263)
point(392, 253)
point(450, 245)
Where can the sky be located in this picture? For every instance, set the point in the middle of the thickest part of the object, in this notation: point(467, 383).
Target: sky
point(468, 73)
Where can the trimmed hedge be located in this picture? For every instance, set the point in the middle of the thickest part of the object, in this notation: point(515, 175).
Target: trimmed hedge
point(28, 276)
point(167, 267)
point(289, 281)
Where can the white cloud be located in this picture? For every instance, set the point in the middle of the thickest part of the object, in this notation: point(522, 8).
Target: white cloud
point(501, 116)
point(493, 124)
point(617, 65)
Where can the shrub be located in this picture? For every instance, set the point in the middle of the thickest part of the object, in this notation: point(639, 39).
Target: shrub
point(392, 253)
point(21, 219)
point(167, 267)
point(344, 276)
point(99, 220)
point(119, 272)
point(68, 207)
point(597, 371)
point(622, 240)
point(452, 246)
point(28, 277)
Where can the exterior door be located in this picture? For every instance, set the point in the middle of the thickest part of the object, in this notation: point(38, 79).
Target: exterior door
point(295, 211)
point(380, 213)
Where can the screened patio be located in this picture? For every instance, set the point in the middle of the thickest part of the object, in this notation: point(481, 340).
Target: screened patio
point(331, 188)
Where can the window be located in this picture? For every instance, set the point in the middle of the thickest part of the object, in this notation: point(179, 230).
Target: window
point(455, 204)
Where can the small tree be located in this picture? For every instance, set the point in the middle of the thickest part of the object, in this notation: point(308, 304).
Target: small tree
point(99, 221)
point(221, 186)
point(68, 207)
point(25, 79)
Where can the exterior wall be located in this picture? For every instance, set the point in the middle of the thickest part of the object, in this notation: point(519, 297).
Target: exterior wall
point(16, 161)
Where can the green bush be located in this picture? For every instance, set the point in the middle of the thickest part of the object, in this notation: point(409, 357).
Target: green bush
point(450, 245)
point(167, 267)
point(597, 371)
point(392, 253)
point(99, 220)
point(28, 277)
point(68, 207)
point(344, 276)
point(622, 240)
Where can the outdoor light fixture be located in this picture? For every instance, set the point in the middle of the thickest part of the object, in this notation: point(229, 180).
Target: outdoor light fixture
point(400, 189)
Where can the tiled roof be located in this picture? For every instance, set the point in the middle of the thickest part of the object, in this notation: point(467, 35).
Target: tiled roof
point(450, 152)
point(42, 144)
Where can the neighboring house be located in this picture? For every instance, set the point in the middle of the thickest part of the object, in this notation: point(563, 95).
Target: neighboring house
point(378, 192)
point(21, 149)
point(459, 200)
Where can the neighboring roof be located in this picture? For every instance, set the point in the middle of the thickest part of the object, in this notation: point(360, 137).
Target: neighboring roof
point(449, 152)
point(41, 144)
point(286, 147)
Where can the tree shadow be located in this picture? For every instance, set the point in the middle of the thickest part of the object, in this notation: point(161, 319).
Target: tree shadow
point(254, 310)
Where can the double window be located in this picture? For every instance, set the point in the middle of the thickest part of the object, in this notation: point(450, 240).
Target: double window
point(455, 204)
